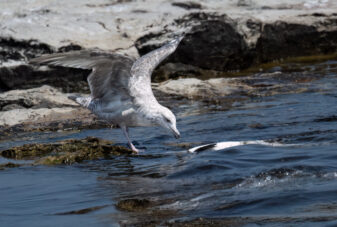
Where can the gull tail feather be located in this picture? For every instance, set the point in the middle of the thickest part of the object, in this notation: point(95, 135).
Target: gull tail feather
point(83, 101)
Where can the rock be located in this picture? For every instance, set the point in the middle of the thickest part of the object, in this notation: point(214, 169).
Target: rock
point(188, 5)
point(214, 41)
point(221, 36)
point(211, 42)
point(133, 205)
point(44, 96)
point(44, 119)
point(83, 211)
point(203, 222)
point(43, 108)
point(23, 76)
point(185, 145)
point(287, 39)
point(66, 152)
point(9, 165)
point(16, 74)
point(228, 90)
point(198, 89)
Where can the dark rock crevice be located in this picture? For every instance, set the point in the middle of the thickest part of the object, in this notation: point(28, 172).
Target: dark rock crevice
point(217, 42)
point(11, 49)
point(27, 76)
point(282, 40)
point(16, 74)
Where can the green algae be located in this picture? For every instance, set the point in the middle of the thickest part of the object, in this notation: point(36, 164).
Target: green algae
point(133, 205)
point(28, 151)
point(66, 152)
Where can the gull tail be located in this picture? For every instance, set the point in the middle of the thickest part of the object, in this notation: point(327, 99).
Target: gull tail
point(83, 101)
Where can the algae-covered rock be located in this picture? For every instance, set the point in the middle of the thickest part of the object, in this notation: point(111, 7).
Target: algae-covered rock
point(9, 165)
point(66, 152)
point(82, 211)
point(28, 151)
point(133, 204)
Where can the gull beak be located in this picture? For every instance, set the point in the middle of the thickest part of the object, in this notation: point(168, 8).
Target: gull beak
point(175, 132)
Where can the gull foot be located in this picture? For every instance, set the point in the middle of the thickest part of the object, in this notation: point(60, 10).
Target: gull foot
point(134, 149)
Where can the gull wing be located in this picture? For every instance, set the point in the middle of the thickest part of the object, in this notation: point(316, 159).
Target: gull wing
point(142, 69)
point(110, 72)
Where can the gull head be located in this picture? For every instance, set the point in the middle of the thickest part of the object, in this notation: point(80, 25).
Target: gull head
point(166, 119)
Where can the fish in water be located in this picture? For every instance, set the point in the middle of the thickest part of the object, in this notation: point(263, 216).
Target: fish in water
point(120, 86)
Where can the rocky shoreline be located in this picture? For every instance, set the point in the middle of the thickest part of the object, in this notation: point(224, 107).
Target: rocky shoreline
point(221, 39)
point(65, 152)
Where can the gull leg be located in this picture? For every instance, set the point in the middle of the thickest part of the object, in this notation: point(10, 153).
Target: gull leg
point(126, 134)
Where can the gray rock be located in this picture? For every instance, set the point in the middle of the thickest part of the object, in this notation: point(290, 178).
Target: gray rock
point(188, 5)
point(44, 96)
point(216, 42)
point(43, 108)
point(224, 90)
point(220, 35)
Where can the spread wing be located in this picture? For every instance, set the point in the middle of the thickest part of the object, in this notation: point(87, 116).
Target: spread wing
point(142, 69)
point(110, 72)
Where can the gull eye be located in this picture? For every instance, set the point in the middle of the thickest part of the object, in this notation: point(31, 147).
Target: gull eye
point(167, 120)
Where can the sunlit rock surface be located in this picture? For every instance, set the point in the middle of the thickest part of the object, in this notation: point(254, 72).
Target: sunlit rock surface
point(222, 38)
point(220, 35)
point(42, 108)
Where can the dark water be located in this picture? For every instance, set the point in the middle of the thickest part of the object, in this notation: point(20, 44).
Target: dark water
point(291, 184)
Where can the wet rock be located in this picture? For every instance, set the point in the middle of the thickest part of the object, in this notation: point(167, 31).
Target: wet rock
point(203, 222)
point(83, 211)
point(253, 220)
point(132, 205)
point(28, 151)
point(9, 165)
point(228, 90)
point(185, 145)
point(257, 126)
point(66, 152)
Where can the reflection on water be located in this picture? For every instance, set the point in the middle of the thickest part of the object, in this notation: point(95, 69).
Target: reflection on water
point(275, 184)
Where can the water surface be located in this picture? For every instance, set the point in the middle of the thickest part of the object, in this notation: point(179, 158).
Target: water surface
point(294, 183)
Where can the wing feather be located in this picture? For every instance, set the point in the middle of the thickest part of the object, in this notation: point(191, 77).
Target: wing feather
point(145, 65)
point(141, 71)
point(110, 72)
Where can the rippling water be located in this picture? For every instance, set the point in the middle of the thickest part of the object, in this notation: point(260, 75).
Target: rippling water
point(292, 183)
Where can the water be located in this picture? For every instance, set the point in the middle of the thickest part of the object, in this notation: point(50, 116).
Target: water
point(255, 184)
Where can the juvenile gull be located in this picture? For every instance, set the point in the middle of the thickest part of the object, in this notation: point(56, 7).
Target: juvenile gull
point(120, 87)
